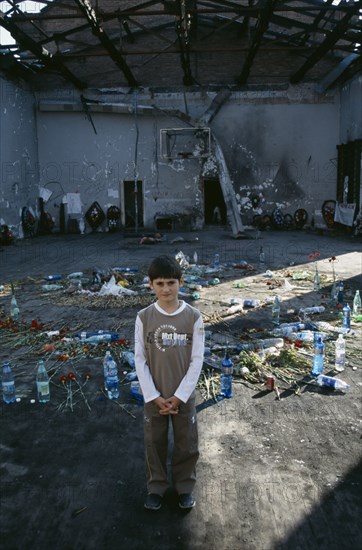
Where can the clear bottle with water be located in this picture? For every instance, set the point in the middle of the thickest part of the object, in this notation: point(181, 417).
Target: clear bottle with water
point(136, 391)
point(42, 383)
point(334, 294)
point(14, 308)
point(316, 282)
point(311, 310)
point(216, 261)
point(226, 377)
point(128, 357)
point(356, 308)
point(318, 357)
point(331, 382)
point(112, 379)
point(276, 311)
point(340, 353)
point(7, 382)
point(346, 319)
point(105, 367)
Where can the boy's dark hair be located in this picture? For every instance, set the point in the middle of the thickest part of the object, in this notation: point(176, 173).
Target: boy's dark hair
point(164, 267)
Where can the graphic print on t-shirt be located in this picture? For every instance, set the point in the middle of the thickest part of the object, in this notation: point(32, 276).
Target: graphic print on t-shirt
point(166, 337)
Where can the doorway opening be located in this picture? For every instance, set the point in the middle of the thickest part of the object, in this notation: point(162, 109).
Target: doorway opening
point(133, 203)
point(214, 204)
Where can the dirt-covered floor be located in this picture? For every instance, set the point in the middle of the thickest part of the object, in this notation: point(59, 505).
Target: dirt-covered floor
point(277, 470)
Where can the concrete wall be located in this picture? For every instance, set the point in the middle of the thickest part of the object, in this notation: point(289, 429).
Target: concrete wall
point(74, 159)
point(284, 153)
point(351, 110)
point(280, 145)
point(18, 153)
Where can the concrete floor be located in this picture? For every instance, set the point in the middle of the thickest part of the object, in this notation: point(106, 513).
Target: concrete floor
point(272, 474)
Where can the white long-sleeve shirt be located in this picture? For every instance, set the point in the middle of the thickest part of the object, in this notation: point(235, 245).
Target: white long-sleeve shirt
point(169, 350)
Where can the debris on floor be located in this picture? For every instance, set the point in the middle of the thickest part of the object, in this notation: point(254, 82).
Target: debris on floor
point(284, 352)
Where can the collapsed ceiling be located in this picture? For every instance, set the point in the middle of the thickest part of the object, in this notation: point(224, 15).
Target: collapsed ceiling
point(174, 43)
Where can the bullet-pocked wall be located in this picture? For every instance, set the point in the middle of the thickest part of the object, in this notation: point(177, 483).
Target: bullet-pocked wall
point(100, 157)
point(281, 149)
point(279, 146)
point(18, 153)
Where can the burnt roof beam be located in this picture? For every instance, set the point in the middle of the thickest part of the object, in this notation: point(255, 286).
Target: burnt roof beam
point(99, 32)
point(43, 55)
point(182, 30)
point(326, 45)
point(317, 20)
point(260, 28)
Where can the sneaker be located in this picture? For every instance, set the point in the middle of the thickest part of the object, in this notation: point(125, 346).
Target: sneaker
point(186, 501)
point(153, 501)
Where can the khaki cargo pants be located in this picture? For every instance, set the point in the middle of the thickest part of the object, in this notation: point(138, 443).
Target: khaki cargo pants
point(185, 448)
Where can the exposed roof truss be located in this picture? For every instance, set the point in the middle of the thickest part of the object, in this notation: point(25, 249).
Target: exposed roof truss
point(134, 43)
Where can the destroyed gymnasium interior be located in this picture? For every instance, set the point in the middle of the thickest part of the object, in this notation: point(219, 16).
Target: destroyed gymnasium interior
point(227, 134)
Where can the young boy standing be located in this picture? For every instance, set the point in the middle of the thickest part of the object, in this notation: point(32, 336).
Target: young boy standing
point(169, 349)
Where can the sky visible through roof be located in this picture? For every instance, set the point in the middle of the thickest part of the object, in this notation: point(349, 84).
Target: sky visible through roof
point(32, 6)
point(28, 6)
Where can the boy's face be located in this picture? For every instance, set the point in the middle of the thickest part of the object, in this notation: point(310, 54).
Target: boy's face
point(166, 290)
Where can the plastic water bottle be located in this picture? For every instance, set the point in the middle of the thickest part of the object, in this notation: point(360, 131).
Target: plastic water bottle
point(340, 354)
point(42, 383)
point(304, 335)
point(270, 342)
point(313, 309)
point(356, 308)
point(234, 309)
point(316, 282)
point(53, 278)
point(346, 319)
point(334, 294)
point(226, 377)
point(276, 311)
point(285, 329)
point(128, 357)
point(112, 379)
point(331, 382)
point(318, 358)
point(136, 391)
point(14, 308)
point(261, 259)
point(248, 302)
point(340, 288)
point(195, 257)
point(216, 261)
point(8, 384)
point(131, 376)
point(105, 366)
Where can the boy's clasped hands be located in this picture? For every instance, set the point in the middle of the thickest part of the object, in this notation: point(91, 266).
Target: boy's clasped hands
point(168, 406)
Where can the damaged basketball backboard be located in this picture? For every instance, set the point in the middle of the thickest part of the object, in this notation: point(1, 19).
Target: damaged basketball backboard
point(183, 143)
